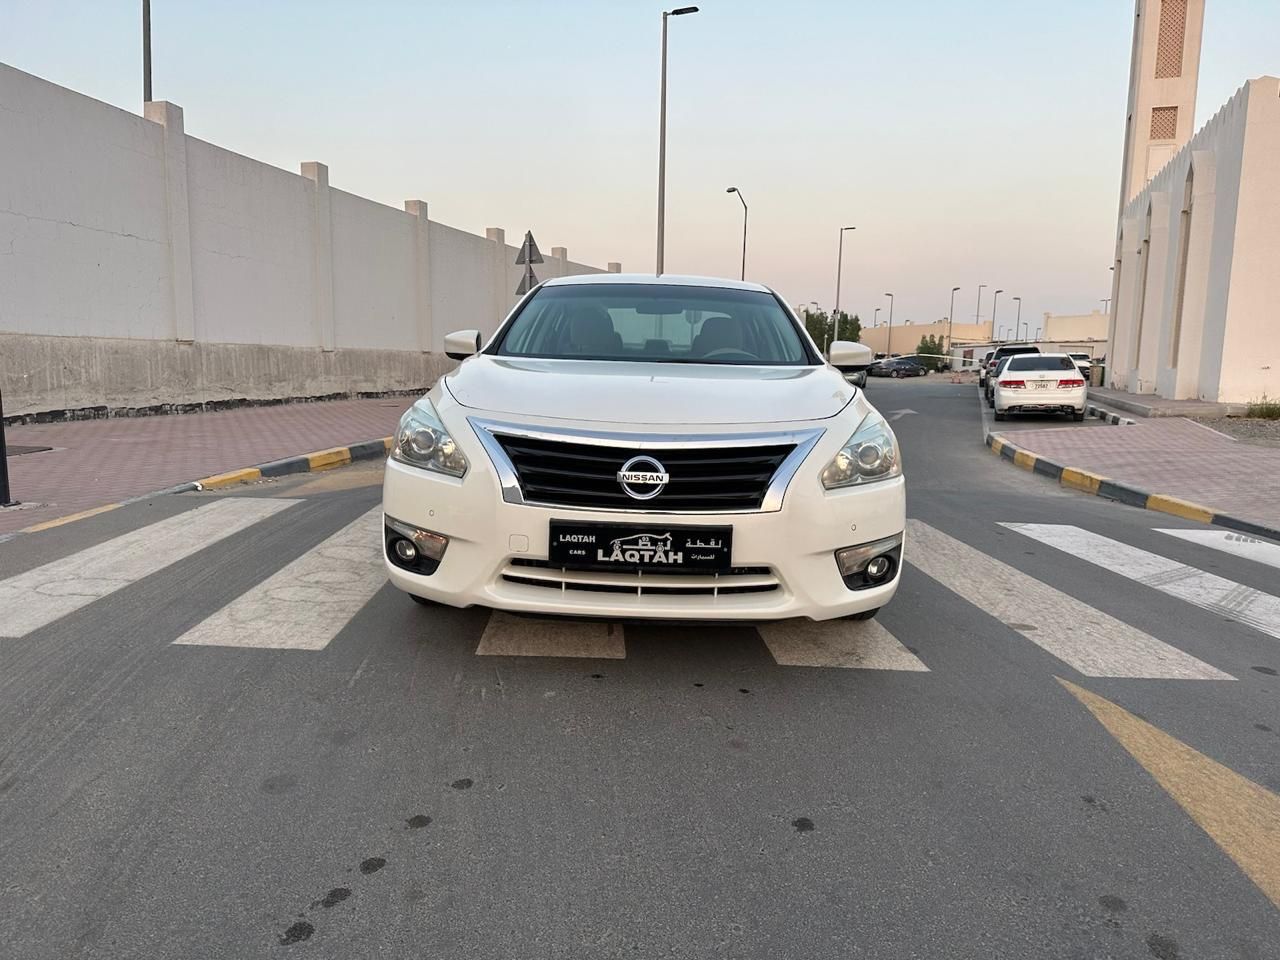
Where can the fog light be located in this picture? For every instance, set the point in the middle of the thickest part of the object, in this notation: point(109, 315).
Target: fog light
point(879, 568)
point(406, 551)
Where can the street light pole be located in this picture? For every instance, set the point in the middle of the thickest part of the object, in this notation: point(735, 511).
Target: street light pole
point(835, 311)
point(995, 302)
point(146, 51)
point(951, 314)
point(1017, 324)
point(888, 349)
point(662, 134)
point(744, 228)
point(977, 316)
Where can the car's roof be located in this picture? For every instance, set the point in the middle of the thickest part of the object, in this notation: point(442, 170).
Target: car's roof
point(1067, 355)
point(668, 279)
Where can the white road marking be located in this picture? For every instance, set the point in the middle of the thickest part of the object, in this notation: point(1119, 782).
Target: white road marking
point(506, 635)
point(1089, 640)
point(40, 596)
point(1239, 544)
point(849, 644)
point(304, 605)
point(1206, 590)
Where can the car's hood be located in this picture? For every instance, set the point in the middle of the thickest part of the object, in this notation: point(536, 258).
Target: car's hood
point(608, 391)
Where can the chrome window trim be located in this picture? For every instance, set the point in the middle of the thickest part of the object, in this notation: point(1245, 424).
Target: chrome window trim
point(804, 440)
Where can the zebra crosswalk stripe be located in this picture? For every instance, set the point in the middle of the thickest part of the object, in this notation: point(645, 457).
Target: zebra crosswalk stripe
point(506, 635)
point(1094, 643)
point(848, 644)
point(1237, 544)
point(1205, 590)
point(305, 604)
point(38, 597)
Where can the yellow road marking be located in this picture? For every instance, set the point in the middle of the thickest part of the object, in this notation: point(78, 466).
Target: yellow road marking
point(1240, 817)
point(326, 459)
point(231, 479)
point(1025, 460)
point(1080, 479)
point(50, 524)
point(1179, 508)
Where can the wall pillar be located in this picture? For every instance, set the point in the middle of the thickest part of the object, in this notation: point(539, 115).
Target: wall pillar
point(169, 116)
point(422, 272)
point(615, 266)
point(561, 257)
point(501, 295)
point(322, 247)
point(1125, 307)
point(1155, 312)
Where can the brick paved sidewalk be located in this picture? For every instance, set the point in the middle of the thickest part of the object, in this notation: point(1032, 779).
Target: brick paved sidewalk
point(1172, 456)
point(96, 462)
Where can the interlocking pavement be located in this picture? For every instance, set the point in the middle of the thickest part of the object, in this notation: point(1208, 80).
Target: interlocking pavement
point(1174, 456)
point(97, 462)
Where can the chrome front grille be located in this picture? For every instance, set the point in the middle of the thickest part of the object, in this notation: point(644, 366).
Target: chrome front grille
point(720, 473)
point(735, 581)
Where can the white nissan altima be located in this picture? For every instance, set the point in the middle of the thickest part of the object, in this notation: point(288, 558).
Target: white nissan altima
point(638, 446)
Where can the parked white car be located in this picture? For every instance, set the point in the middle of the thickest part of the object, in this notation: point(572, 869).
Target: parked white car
point(1040, 383)
point(638, 446)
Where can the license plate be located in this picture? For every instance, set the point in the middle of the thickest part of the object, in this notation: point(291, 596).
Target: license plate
point(1042, 384)
point(627, 547)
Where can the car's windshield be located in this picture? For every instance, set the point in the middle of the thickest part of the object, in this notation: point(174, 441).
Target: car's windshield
point(655, 323)
point(1038, 362)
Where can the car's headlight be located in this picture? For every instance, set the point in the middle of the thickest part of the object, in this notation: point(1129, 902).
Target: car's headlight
point(422, 441)
point(871, 454)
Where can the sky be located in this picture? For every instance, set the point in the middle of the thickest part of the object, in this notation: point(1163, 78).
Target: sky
point(969, 142)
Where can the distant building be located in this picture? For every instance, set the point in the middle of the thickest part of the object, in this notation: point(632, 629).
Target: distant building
point(1196, 292)
point(1076, 327)
point(906, 336)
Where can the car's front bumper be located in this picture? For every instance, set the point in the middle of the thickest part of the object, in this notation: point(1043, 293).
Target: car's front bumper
point(489, 537)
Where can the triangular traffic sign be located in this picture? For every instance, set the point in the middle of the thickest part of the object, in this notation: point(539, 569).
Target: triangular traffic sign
point(529, 250)
point(528, 282)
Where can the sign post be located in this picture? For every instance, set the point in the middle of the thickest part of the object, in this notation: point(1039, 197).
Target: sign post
point(5, 499)
point(528, 255)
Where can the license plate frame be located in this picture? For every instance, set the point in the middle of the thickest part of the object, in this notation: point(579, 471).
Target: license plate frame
point(645, 547)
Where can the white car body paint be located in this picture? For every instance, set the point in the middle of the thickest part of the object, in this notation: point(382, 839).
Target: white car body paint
point(796, 537)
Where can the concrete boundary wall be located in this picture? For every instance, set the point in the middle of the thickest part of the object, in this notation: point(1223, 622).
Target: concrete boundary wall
point(141, 267)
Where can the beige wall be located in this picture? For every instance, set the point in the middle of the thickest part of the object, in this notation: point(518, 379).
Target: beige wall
point(1080, 326)
point(1197, 308)
point(906, 337)
point(115, 227)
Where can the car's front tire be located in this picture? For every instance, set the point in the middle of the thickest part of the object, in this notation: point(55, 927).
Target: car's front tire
point(423, 601)
point(864, 615)
point(1000, 414)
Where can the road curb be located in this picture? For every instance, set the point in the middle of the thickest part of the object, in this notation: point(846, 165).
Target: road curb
point(1093, 410)
point(303, 463)
point(1085, 481)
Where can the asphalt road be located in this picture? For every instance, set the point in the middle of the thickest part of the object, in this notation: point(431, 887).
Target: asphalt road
point(1033, 755)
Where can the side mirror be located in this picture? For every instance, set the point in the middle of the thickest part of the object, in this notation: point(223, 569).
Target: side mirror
point(846, 353)
point(462, 344)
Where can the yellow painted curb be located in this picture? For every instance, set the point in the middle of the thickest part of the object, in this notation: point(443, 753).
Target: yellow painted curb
point(388, 442)
point(333, 457)
point(82, 515)
point(1025, 460)
point(1179, 508)
point(996, 445)
point(1080, 479)
point(230, 479)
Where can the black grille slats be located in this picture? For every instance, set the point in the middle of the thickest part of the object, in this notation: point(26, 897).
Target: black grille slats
point(586, 475)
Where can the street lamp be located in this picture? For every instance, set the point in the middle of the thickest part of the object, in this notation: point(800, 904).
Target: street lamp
point(146, 51)
point(995, 301)
point(977, 316)
point(950, 314)
point(1017, 324)
point(888, 349)
point(662, 133)
point(1106, 304)
point(835, 311)
point(744, 228)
